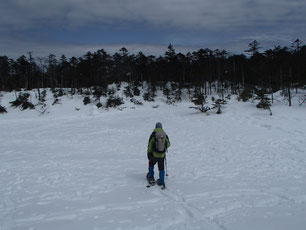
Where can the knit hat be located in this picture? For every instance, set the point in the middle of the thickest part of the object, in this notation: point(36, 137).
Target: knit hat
point(158, 125)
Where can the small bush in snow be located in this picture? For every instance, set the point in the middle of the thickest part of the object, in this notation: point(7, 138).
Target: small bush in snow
point(72, 91)
point(80, 91)
point(136, 102)
point(218, 105)
point(302, 100)
point(22, 102)
point(199, 99)
point(245, 95)
point(98, 93)
point(128, 91)
point(111, 91)
point(176, 92)
point(113, 101)
point(58, 92)
point(264, 100)
point(118, 85)
point(43, 96)
point(86, 100)
point(99, 105)
point(136, 91)
point(148, 96)
point(56, 101)
point(27, 105)
point(2, 109)
point(167, 94)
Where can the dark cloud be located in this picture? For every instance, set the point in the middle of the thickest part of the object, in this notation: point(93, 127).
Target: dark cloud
point(208, 14)
point(192, 22)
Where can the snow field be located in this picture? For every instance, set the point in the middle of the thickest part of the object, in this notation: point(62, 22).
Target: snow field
point(65, 170)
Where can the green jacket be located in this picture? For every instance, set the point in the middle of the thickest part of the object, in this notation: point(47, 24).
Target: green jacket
point(152, 151)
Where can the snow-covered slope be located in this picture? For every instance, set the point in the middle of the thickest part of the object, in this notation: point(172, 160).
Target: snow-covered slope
point(71, 170)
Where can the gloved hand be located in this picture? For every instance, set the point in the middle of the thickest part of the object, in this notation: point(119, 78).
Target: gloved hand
point(150, 155)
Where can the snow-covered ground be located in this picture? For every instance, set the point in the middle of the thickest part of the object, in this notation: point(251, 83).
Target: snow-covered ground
point(77, 170)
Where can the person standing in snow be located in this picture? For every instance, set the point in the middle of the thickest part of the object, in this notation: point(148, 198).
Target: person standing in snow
point(157, 147)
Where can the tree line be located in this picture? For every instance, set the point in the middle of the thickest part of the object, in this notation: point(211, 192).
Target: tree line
point(274, 69)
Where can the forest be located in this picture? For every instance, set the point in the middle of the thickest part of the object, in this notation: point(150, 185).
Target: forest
point(204, 71)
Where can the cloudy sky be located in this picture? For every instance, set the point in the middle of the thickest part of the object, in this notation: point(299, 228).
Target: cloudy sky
point(73, 27)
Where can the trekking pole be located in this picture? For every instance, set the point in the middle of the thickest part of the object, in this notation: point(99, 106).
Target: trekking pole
point(166, 163)
point(166, 167)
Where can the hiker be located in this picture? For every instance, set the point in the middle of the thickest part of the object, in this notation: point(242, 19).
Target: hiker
point(157, 147)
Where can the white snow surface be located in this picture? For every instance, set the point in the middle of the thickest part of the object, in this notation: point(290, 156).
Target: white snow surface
point(80, 170)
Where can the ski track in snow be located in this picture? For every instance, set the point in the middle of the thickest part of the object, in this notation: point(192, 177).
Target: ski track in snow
point(241, 170)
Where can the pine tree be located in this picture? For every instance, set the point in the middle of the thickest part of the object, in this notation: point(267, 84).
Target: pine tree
point(253, 47)
point(264, 100)
point(150, 94)
point(136, 90)
point(296, 45)
point(176, 92)
point(245, 95)
point(128, 91)
point(167, 94)
point(199, 99)
point(218, 105)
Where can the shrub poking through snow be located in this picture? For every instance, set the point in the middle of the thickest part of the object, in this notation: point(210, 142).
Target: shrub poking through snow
point(264, 100)
point(57, 93)
point(148, 96)
point(114, 101)
point(22, 102)
point(136, 91)
point(136, 102)
point(218, 105)
point(302, 100)
point(86, 100)
point(98, 93)
point(2, 109)
point(245, 95)
point(199, 99)
point(150, 93)
point(128, 91)
point(99, 105)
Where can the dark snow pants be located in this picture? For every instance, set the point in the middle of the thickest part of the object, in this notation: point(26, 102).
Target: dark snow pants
point(160, 161)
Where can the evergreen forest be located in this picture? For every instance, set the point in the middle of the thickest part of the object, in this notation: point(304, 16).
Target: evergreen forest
point(204, 71)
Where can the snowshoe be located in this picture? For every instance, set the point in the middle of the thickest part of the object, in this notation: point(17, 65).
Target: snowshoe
point(150, 180)
point(162, 185)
